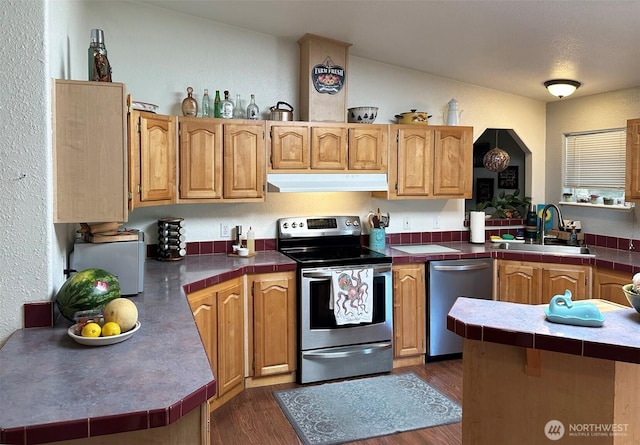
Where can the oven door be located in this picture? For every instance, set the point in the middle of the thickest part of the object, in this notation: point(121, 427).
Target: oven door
point(318, 326)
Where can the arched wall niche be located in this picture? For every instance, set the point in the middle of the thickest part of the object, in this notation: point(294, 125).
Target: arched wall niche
point(486, 183)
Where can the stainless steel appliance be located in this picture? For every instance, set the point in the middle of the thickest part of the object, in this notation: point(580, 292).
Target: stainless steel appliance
point(324, 247)
point(124, 259)
point(448, 280)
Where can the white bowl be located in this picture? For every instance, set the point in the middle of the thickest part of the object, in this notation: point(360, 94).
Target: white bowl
point(362, 115)
point(243, 251)
point(102, 341)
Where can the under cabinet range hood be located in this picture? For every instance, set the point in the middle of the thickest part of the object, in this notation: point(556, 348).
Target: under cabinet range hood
point(329, 182)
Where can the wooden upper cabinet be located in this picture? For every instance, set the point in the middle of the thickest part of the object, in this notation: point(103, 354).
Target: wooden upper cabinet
point(632, 191)
point(329, 148)
point(453, 162)
point(290, 147)
point(413, 172)
point(430, 162)
point(200, 158)
point(244, 161)
point(152, 159)
point(368, 148)
point(89, 152)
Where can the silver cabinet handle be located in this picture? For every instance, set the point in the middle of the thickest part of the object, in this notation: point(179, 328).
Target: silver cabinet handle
point(348, 351)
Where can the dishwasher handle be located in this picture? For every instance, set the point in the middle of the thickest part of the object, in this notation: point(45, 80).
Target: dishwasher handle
point(462, 267)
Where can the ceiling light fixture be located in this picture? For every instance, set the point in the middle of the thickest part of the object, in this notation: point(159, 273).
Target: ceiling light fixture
point(562, 87)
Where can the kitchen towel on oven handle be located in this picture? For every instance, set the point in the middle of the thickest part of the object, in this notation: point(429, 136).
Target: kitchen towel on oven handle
point(352, 296)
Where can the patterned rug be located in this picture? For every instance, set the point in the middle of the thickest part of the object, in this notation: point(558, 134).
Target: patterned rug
point(335, 413)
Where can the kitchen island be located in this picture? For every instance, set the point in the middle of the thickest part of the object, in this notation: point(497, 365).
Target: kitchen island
point(530, 381)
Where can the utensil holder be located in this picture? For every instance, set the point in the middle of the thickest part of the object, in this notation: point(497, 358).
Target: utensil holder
point(377, 239)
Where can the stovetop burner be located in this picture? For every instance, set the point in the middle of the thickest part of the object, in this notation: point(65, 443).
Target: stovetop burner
point(325, 241)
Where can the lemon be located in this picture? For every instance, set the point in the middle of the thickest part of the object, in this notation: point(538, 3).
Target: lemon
point(91, 330)
point(110, 328)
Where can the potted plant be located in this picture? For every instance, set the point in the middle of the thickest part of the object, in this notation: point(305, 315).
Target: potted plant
point(506, 205)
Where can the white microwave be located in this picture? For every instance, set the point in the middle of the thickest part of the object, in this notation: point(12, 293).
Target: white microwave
point(124, 259)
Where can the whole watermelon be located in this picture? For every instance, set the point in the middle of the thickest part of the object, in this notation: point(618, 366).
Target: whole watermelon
point(87, 289)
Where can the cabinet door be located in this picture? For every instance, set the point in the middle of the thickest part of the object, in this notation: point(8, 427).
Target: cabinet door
point(200, 159)
point(607, 285)
point(230, 324)
point(274, 323)
point(519, 282)
point(329, 148)
point(414, 162)
point(290, 147)
point(632, 191)
point(244, 164)
point(154, 163)
point(204, 309)
point(89, 152)
point(453, 162)
point(409, 317)
point(556, 278)
point(368, 148)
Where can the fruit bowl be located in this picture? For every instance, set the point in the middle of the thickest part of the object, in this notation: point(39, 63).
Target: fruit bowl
point(102, 341)
point(362, 115)
point(634, 298)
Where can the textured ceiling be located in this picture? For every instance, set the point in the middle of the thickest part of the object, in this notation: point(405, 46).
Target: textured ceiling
point(509, 45)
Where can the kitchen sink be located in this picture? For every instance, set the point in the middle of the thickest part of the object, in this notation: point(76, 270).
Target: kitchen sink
point(548, 249)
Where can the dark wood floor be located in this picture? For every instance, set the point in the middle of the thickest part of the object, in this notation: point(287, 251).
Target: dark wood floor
point(255, 418)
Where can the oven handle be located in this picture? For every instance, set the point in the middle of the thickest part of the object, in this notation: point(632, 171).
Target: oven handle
point(327, 275)
point(348, 351)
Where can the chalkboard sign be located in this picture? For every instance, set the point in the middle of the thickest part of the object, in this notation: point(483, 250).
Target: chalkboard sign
point(508, 178)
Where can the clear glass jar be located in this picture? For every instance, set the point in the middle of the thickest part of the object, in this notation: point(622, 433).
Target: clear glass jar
point(238, 111)
point(189, 104)
point(253, 112)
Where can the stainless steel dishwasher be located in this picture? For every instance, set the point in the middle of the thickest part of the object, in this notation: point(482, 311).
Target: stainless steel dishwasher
point(448, 280)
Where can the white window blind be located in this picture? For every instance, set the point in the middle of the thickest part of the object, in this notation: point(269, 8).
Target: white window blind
point(595, 160)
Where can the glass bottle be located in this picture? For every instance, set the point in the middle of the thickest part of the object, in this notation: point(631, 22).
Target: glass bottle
point(206, 106)
point(217, 105)
point(253, 112)
point(99, 67)
point(238, 111)
point(226, 107)
point(189, 104)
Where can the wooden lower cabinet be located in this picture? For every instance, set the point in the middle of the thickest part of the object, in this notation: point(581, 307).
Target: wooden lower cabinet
point(607, 285)
point(409, 315)
point(272, 301)
point(219, 315)
point(536, 283)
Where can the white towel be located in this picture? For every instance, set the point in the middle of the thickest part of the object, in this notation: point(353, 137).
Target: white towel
point(352, 296)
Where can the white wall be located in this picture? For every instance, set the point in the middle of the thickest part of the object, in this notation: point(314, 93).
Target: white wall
point(596, 112)
point(203, 54)
point(25, 170)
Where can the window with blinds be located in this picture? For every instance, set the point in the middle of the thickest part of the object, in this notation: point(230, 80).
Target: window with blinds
point(595, 160)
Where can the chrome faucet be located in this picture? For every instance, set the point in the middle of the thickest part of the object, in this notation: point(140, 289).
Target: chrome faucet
point(543, 217)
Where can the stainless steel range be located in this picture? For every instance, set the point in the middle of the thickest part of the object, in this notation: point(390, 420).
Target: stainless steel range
point(344, 298)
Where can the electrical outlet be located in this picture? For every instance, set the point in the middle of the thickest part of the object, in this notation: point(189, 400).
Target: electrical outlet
point(405, 223)
point(224, 230)
point(436, 222)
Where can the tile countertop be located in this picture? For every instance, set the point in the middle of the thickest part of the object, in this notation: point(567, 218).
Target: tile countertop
point(56, 389)
point(526, 326)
